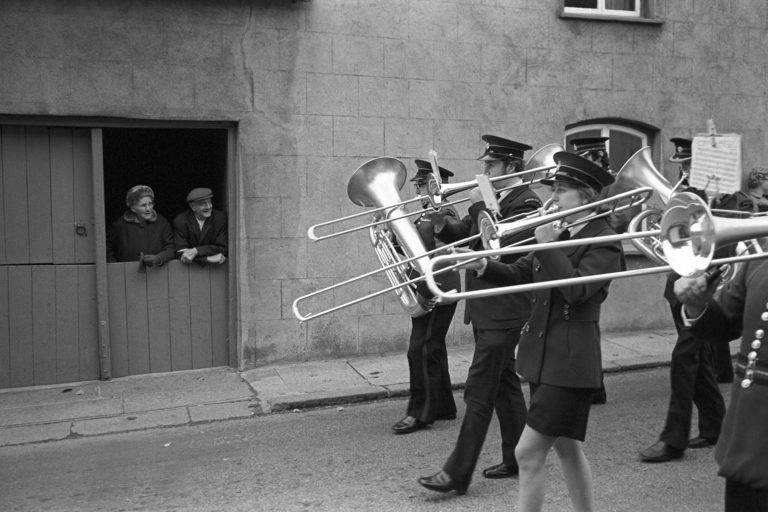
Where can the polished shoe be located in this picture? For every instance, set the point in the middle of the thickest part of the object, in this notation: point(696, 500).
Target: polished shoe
point(500, 471)
point(599, 398)
point(660, 452)
point(442, 482)
point(702, 442)
point(407, 425)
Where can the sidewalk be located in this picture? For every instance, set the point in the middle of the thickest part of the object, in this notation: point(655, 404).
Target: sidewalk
point(50, 413)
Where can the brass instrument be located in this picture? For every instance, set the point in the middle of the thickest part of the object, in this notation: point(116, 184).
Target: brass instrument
point(376, 184)
point(536, 167)
point(689, 235)
point(638, 173)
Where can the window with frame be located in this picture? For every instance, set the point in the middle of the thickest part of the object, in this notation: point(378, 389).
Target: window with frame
point(635, 11)
point(629, 8)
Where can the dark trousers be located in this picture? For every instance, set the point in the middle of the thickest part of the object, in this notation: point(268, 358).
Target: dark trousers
point(431, 393)
point(692, 380)
point(744, 498)
point(492, 384)
point(723, 362)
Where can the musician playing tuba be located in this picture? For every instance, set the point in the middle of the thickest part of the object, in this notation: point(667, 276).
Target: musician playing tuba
point(559, 350)
point(430, 383)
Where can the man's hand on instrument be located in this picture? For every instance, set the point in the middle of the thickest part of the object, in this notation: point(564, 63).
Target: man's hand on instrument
point(693, 292)
point(475, 196)
point(549, 232)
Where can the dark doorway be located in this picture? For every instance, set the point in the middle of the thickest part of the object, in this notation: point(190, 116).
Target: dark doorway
point(170, 161)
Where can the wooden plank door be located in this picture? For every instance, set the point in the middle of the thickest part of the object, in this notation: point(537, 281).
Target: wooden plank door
point(48, 325)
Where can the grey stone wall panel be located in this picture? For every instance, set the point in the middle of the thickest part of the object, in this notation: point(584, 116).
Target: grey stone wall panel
point(319, 87)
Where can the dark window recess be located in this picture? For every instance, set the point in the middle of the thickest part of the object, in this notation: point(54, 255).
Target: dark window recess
point(170, 161)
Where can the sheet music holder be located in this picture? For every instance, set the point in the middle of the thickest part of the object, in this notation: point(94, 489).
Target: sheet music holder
point(716, 162)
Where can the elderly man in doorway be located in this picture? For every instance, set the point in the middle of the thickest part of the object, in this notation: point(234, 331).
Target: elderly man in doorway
point(201, 231)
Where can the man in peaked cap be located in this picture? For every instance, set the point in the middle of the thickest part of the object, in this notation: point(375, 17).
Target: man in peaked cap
point(431, 395)
point(492, 384)
point(682, 156)
point(201, 231)
point(594, 149)
point(691, 369)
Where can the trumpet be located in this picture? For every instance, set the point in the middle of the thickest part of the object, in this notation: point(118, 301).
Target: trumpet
point(689, 234)
point(537, 167)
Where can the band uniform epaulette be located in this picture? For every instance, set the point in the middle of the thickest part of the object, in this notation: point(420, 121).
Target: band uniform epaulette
point(532, 201)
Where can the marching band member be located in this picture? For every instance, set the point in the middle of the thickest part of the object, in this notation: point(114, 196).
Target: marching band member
point(595, 149)
point(740, 308)
point(492, 383)
point(559, 352)
point(430, 383)
point(691, 370)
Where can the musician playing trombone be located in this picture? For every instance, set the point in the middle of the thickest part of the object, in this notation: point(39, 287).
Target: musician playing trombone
point(492, 384)
point(430, 383)
point(559, 350)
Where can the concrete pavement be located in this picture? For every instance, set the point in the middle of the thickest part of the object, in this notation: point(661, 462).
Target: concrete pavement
point(50, 413)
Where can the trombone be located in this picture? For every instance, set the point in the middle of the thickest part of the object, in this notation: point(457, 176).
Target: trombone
point(637, 173)
point(537, 167)
point(689, 234)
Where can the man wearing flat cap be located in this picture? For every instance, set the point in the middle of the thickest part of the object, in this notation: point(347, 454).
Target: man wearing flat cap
point(492, 384)
point(201, 231)
point(431, 396)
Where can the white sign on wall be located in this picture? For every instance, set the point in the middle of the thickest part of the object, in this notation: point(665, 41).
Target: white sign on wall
point(716, 163)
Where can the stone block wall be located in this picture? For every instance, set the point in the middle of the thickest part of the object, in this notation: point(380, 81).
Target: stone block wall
point(319, 87)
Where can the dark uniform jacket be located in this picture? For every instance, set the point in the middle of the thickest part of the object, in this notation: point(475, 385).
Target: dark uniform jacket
point(445, 280)
point(127, 239)
point(212, 239)
point(741, 309)
point(560, 344)
point(503, 311)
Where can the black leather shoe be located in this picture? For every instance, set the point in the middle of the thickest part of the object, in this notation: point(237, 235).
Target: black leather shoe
point(442, 482)
point(500, 471)
point(702, 442)
point(660, 452)
point(407, 425)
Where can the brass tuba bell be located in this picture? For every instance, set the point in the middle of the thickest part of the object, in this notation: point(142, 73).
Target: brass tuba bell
point(377, 183)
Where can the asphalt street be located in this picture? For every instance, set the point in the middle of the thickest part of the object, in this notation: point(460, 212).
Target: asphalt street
point(345, 458)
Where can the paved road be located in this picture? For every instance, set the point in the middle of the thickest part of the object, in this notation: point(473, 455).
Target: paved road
point(345, 459)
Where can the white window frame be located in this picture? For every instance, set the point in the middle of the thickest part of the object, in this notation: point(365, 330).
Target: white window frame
point(601, 10)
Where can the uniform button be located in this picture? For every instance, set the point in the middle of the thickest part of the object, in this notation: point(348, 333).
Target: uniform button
point(752, 356)
point(756, 344)
point(538, 268)
point(545, 302)
point(533, 300)
point(764, 316)
point(759, 334)
point(746, 383)
point(541, 334)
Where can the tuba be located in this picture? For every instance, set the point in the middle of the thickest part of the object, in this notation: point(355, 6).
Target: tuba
point(377, 183)
point(639, 171)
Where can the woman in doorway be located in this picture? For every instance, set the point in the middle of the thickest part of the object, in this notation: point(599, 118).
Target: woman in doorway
point(140, 234)
point(559, 352)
